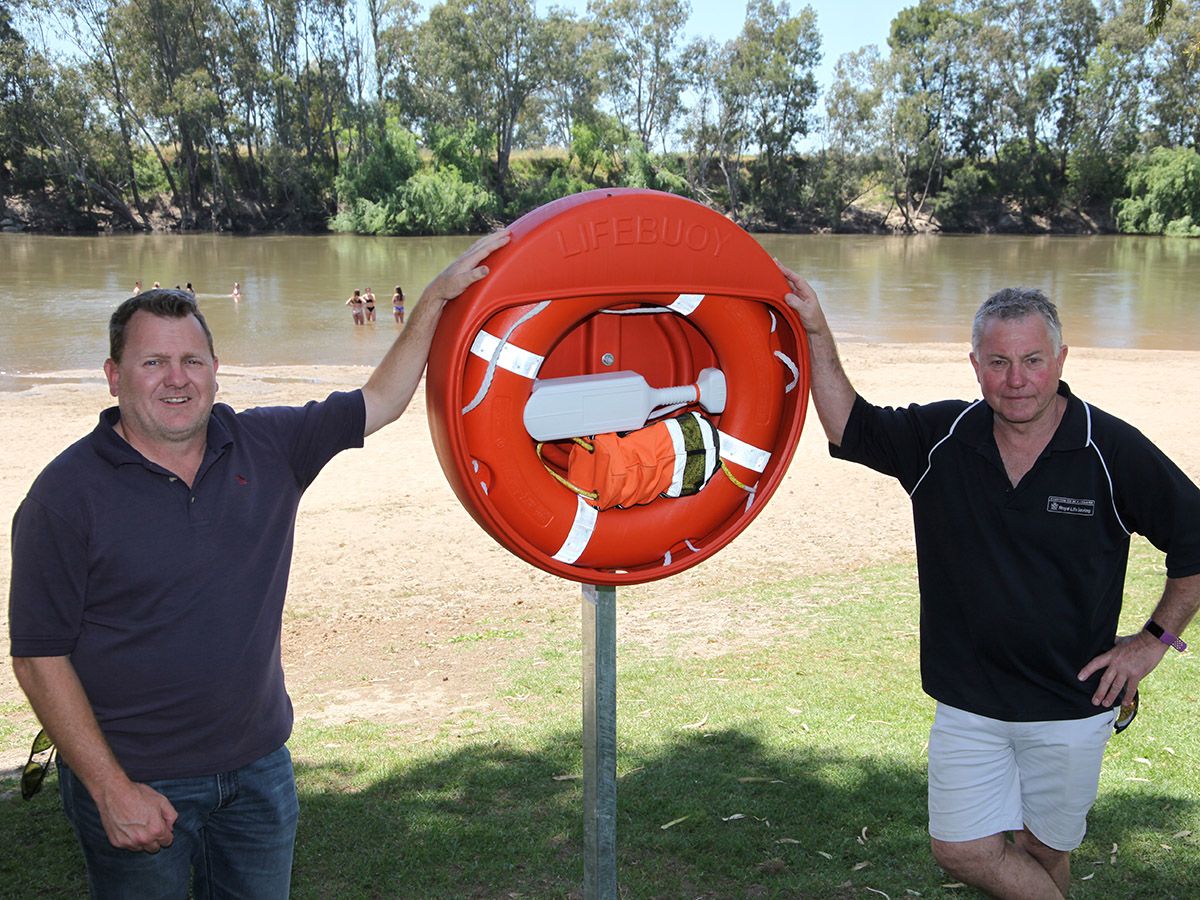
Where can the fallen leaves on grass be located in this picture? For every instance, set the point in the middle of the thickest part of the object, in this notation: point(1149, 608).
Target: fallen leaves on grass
point(674, 822)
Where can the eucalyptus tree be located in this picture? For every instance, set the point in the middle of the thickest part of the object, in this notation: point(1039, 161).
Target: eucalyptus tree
point(396, 51)
point(485, 59)
point(281, 39)
point(573, 79)
point(715, 128)
point(1175, 58)
point(643, 70)
point(13, 91)
point(87, 25)
point(390, 23)
point(158, 40)
point(1075, 33)
point(1013, 47)
point(1110, 108)
point(778, 52)
point(919, 86)
point(851, 135)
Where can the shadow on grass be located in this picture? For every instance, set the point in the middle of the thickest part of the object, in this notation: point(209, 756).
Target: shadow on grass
point(492, 821)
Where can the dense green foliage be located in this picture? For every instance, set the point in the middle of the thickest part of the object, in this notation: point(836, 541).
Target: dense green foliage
point(1164, 189)
point(374, 116)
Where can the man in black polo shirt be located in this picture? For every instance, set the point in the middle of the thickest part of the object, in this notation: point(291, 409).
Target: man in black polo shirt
point(1023, 504)
point(150, 563)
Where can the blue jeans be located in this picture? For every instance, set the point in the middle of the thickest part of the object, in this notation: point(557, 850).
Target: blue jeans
point(233, 838)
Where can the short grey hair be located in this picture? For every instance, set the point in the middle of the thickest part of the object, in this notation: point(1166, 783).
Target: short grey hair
point(1017, 303)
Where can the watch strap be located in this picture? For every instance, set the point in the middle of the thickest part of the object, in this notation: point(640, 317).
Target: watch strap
point(1171, 640)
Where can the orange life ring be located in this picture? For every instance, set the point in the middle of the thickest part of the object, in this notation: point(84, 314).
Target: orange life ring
point(614, 280)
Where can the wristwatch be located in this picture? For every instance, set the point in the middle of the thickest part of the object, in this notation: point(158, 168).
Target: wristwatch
point(1171, 640)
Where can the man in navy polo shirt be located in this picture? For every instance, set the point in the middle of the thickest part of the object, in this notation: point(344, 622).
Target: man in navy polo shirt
point(150, 563)
point(1023, 505)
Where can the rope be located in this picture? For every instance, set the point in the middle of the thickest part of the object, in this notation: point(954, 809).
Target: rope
point(491, 369)
point(641, 310)
point(733, 478)
point(795, 371)
point(588, 495)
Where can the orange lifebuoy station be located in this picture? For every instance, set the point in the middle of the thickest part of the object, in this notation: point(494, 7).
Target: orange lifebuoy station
point(606, 281)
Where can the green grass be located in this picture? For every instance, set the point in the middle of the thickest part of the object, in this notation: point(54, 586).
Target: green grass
point(790, 770)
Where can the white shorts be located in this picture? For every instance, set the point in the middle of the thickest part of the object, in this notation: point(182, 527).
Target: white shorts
point(987, 777)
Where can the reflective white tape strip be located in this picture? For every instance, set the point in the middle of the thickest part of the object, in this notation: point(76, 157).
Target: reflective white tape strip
point(667, 559)
point(794, 369)
point(685, 304)
point(712, 460)
point(580, 533)
point(676, 434)
point(743, 454)
point(513, 358)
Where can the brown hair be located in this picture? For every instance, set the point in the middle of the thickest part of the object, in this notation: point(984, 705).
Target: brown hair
point(162, 302)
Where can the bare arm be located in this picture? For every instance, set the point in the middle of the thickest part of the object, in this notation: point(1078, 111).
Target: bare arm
point(832, 393)
point(395, 379)
point(135, 816)
point(1134, 656)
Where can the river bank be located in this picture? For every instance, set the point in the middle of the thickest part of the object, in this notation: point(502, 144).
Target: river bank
point(41, 214)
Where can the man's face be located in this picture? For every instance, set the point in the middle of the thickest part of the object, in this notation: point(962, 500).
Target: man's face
point(1017, 368)
point(166, 381)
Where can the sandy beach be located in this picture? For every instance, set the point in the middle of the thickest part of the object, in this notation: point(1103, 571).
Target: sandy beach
point(389, 567)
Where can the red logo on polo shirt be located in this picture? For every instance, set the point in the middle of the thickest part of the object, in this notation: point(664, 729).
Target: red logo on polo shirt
point(241, 479)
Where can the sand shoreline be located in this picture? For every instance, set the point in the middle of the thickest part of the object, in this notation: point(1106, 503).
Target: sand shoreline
point(383, 542)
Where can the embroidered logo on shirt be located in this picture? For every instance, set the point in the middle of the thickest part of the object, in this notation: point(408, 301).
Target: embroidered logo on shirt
point(241, 479)
point(1070, 506)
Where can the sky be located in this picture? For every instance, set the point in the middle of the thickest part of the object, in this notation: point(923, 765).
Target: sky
point(845, 25)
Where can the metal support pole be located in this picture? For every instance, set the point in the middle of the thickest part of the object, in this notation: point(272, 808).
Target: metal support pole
point(599, 742)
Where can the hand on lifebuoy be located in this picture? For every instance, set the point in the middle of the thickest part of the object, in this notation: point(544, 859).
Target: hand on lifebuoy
point(803, 299)
point(466, 270)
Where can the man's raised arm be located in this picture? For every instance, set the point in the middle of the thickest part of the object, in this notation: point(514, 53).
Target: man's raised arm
point(832, 393)
point(395, 379)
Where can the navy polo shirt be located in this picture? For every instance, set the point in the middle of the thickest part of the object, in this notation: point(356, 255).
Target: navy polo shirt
point(1022, 586)
point(169, 599)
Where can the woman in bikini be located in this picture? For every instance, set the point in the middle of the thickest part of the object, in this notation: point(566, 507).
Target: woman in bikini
point(398, 305)
point(355, 302)
point(369, 305)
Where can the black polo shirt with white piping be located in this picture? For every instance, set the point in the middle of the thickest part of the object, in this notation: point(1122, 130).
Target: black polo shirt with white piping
point(1022, 586)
